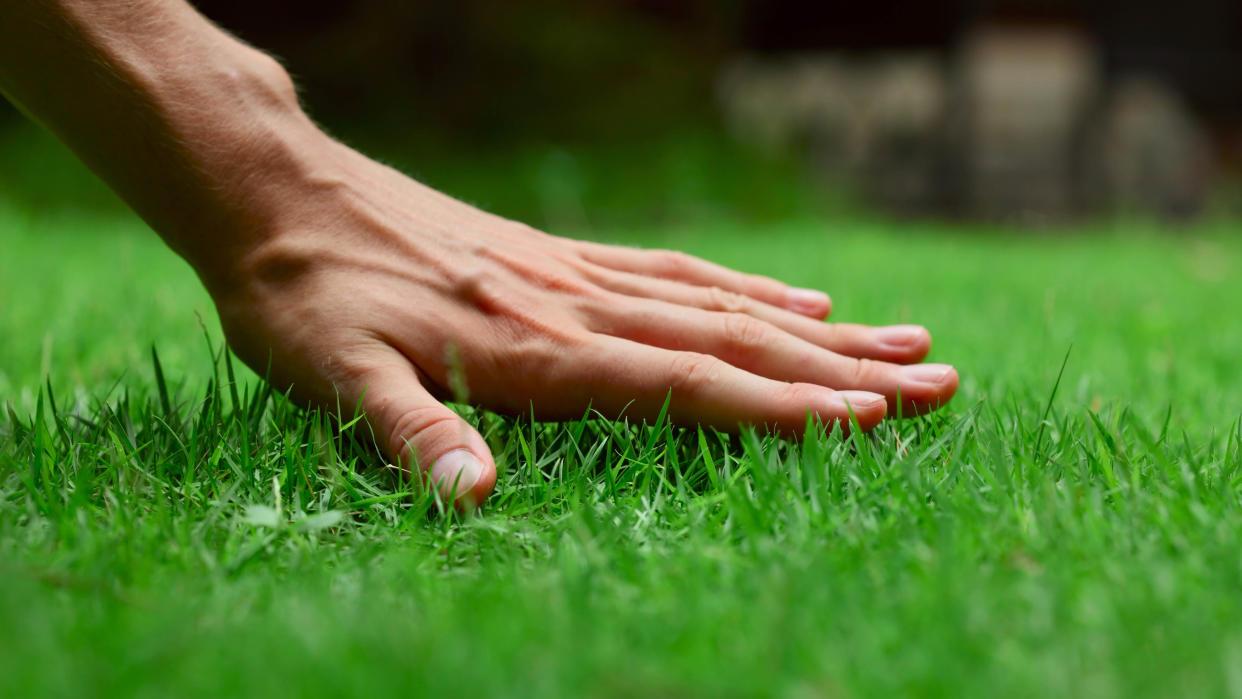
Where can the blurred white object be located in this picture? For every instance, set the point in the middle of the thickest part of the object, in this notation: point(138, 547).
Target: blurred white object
point(877, 120)
point(1152, 154)
point(1026, 94)
point(1022, 125)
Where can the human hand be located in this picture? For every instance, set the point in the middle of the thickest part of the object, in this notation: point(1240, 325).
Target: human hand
point(356, 285)
point(371, 289)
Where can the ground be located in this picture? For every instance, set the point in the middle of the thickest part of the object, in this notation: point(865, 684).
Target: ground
point(1052, 532)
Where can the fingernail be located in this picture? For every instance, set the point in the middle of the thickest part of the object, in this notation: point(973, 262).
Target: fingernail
point(861, 399)
point(807, 301)
point(456, 472)
point(926, 373)
point(899, 336)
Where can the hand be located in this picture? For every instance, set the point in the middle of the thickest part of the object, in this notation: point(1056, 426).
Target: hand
point(359, 286)
point(369, 288)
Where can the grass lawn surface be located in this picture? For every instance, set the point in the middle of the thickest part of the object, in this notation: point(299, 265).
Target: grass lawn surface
point(186, 534)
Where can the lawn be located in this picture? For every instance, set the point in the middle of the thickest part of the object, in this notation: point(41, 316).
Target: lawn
point(1070, 525)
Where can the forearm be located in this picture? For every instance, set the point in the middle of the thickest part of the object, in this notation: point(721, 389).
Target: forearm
point(194, 129)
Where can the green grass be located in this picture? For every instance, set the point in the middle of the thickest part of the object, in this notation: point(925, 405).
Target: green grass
point(208, 539)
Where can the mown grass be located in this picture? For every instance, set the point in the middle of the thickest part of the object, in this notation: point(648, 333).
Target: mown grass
point(194, 535)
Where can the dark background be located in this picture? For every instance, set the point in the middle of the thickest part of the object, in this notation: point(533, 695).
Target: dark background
point(496, 70)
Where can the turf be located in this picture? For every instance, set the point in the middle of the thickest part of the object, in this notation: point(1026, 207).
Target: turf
point(1069, 526)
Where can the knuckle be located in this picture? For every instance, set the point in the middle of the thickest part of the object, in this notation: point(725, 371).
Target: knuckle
point(351, 373)
point(476, 248)
point(584, 251)
point(675, 263)
point(493, 295)
point(690, 372)
point(472, 284)
point(413, 430)
point(538, 351)
point(804, 396)
point(745, 333)
point(726, 301)
point(862, 371)
point(597, 306)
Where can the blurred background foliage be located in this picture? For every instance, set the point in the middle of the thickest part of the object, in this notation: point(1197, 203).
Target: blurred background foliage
point(573, 114)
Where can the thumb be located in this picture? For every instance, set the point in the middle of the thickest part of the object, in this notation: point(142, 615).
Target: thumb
point(422, 435)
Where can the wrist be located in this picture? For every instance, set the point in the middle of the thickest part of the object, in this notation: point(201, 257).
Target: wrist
point(242, 166)
point(241, 149)
point(231, 130)
point(191, 127)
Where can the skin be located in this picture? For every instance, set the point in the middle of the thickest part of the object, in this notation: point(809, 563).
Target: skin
point(349, 283)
